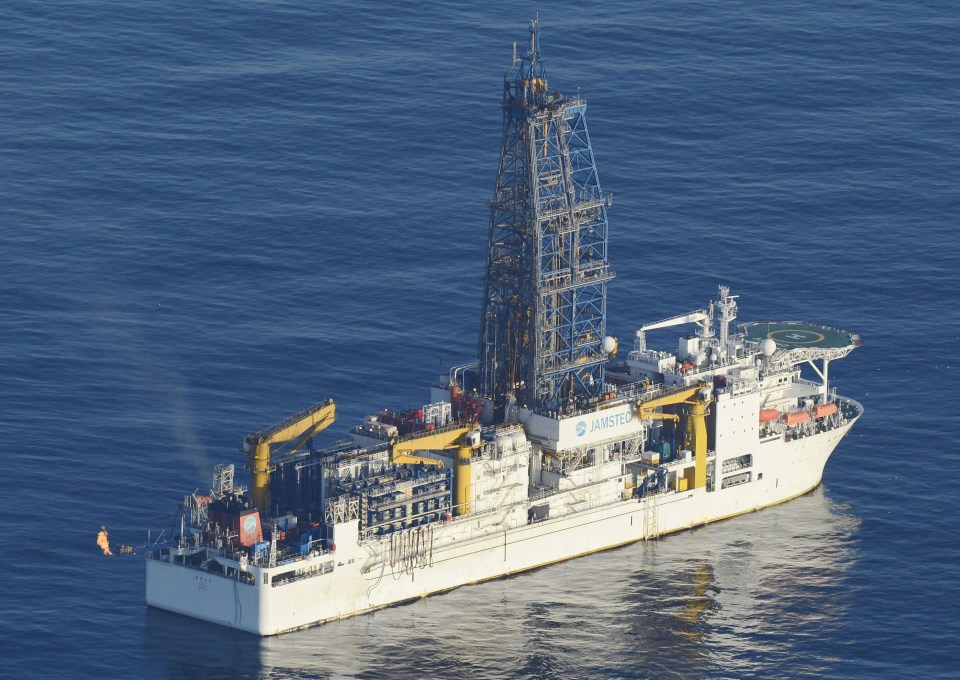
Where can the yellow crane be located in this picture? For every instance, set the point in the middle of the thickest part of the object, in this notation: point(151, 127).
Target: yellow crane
point(294, 432)
point(463, 437)
point(696, 398)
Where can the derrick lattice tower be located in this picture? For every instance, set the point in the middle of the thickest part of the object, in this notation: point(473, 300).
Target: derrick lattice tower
point(543, 317)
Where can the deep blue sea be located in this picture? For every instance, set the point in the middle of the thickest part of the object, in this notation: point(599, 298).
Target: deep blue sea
point(215, 213)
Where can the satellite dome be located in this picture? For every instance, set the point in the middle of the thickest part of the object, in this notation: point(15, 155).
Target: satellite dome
point(768, 347)
point(609, 345)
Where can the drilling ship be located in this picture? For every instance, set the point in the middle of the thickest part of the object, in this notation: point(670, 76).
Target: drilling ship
point(547, 447)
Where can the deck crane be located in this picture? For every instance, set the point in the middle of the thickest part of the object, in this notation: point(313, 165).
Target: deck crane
point(293, 432)
point(703, 318)
point(463, 437)
point(696, 398)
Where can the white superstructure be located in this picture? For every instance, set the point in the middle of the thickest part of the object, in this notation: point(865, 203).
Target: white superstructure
point(723, 425)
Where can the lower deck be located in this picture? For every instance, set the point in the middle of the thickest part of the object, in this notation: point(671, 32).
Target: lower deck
point(363, 575)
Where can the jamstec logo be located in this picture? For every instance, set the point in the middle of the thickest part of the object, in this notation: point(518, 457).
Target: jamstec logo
point(604, 423)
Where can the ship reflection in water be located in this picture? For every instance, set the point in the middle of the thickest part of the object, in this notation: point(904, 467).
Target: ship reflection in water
point(759, 591)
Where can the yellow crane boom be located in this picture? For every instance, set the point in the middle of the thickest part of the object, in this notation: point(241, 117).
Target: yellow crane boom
point(646, 409)
point(293, 431)
point(450, 437)
point(696, 398)
point(401, 450)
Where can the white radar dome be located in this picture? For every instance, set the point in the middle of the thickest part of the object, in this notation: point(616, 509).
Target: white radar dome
point(609, 345)
point(768, 347)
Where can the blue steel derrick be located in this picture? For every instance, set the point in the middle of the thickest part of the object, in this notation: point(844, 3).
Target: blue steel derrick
point(543, 315)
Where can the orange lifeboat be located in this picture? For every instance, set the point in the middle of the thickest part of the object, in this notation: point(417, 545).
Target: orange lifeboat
point(768, 414)
point(824, 410)
point(796, 417)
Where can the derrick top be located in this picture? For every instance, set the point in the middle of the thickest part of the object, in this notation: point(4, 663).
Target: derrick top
point(525, 82)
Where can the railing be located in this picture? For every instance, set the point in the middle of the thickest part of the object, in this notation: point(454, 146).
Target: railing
point(631, 392)
point(268, 432)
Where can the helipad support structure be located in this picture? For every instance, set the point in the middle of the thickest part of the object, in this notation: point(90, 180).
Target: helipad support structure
point(799, 341)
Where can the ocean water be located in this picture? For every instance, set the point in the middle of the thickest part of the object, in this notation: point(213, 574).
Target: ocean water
point(213, 214)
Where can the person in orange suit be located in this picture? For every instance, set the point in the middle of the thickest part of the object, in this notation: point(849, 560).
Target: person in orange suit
point(103, 541)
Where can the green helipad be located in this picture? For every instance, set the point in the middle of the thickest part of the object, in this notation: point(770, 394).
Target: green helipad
point(793, 334)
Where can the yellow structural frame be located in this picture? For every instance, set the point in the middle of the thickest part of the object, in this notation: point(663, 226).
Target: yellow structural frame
point(295, 431)
point(462, 480)
point(695, 437)
point(696, 440)
point(401, 452)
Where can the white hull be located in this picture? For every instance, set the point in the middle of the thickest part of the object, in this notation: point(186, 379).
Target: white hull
point(369, 575)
